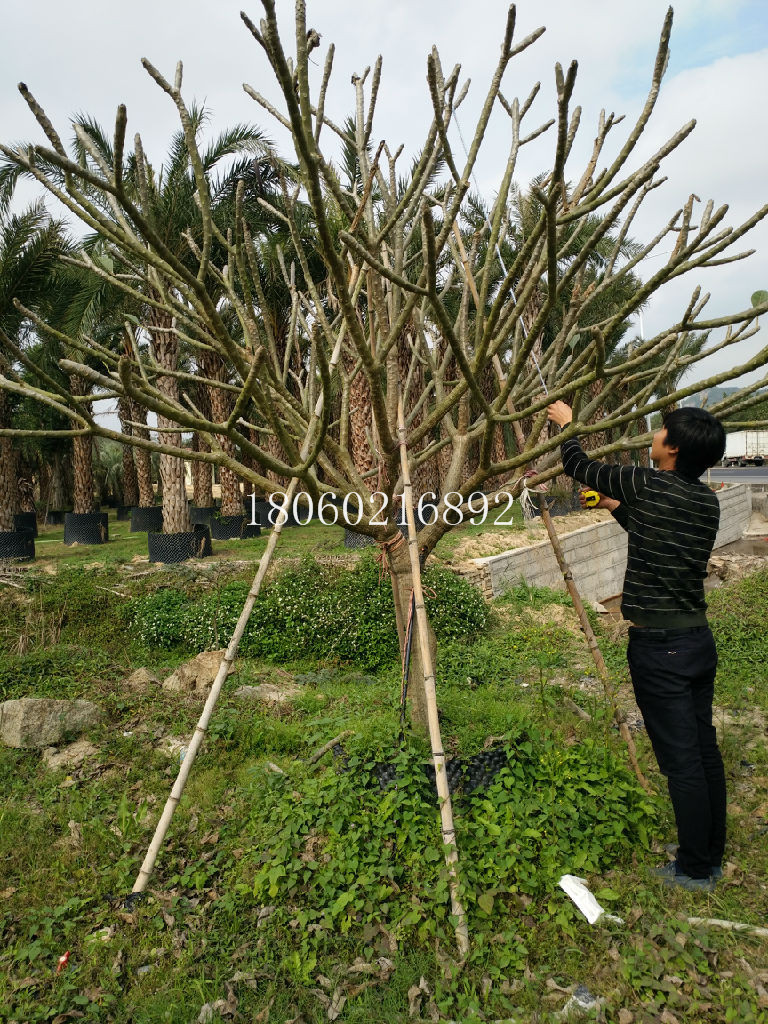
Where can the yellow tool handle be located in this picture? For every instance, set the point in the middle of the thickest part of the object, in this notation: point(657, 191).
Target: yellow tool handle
point(591, 498)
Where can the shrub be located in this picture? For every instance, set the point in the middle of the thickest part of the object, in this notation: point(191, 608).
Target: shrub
point(158, 620)
point(310, 611)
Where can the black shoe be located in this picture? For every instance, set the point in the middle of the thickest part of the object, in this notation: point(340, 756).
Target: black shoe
point(715, 871)
point(669, 875)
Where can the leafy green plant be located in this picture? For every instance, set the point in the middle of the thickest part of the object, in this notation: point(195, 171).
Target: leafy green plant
point(343, 855)
point(312, 610)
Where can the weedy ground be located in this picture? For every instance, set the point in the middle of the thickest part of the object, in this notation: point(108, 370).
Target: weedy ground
point(290, 891)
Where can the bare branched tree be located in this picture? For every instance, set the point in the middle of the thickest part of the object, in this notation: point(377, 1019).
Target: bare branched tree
point(422, 307)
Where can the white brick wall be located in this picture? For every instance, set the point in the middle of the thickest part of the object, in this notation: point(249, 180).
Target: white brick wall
point(596, 554)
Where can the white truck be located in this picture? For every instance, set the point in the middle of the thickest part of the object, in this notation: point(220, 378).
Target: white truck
point(746, 448)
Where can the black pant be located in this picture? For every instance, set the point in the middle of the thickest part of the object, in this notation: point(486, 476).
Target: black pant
point(673, 675)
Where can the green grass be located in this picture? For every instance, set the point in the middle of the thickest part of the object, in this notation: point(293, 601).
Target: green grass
point(70, 847)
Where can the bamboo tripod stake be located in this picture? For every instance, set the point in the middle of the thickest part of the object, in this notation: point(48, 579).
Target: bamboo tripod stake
point(436, 742)
point(201, 728)
point(594, 648)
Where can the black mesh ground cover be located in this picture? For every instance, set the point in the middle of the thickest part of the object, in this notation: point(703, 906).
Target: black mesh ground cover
point(201, 514)
point(465, 775)
point(26, 521)
point(178, 547)
point(146, 520)
point(17, 544)
point(86, 528)
point(356, 540)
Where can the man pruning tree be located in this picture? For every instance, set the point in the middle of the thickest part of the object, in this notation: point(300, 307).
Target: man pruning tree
point(672, 520)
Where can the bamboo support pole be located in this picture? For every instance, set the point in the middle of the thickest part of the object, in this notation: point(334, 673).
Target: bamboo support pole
point(436, 742)
point(730, 926)
point(145, 872)
point(589, 634)
point(594, 648)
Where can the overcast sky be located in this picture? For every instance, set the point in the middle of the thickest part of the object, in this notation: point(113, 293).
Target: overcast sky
point(84, 56)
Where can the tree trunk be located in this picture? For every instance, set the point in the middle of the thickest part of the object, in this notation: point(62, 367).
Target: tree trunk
point(202, 476)
point(166, 351)
point(27, 491)
point(142, 458)
point(82, 459)
point(221, 406)
point(402, 588)
point(57, 498)
point(9, 495)
point(130, 480)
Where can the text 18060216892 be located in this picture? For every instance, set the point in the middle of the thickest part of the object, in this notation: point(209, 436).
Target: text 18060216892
point(453, 508)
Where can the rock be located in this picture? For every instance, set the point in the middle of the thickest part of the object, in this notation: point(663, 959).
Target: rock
point(734, 566)
point(267, 692)
point(71, 756)
point(173, 746)
point(581, 1003)
point(40, 722)
point(141, 678)
point(197, 675)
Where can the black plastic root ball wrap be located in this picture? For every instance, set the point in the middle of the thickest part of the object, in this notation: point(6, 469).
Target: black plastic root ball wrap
point(178, 547)
point(147, 520)
point(233, 528)
point(17, 545)
point(86, 528)
point(201, 515)
point(26, 521)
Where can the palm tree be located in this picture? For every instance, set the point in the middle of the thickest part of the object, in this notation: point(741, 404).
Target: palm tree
point(30, 245)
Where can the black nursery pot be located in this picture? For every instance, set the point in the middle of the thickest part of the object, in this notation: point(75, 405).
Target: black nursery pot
point(17, 544)
point(231, 527)
point(178, 547)
point(55, 517)
point(26, 521)
point(86, 528)
point(201, 514)
point(124, 513)
point(147, 520)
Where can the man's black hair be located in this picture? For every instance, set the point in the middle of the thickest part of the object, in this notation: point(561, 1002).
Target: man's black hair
point(698, 437)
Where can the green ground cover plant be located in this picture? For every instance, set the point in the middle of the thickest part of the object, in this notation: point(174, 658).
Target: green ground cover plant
point(286, 886)
point(312, 611)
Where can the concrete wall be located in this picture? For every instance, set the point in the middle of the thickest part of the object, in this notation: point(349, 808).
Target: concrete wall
point(596, 554)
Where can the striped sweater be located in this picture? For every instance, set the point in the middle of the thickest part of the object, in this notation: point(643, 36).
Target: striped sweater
point(672, 522)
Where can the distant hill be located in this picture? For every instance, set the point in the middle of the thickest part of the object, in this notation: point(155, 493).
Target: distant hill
point(704, 399)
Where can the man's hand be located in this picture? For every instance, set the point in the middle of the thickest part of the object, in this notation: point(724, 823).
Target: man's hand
point(605, 501)
point(560, 413)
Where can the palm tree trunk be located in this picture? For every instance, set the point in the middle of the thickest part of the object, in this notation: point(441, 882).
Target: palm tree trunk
point(57, 497)
point(8, 483)
point(166, 351)
point(82, 458)
point(142, 458)
point(202, 472)
point(130, 479)
point(202, 476)
point(221, 406)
